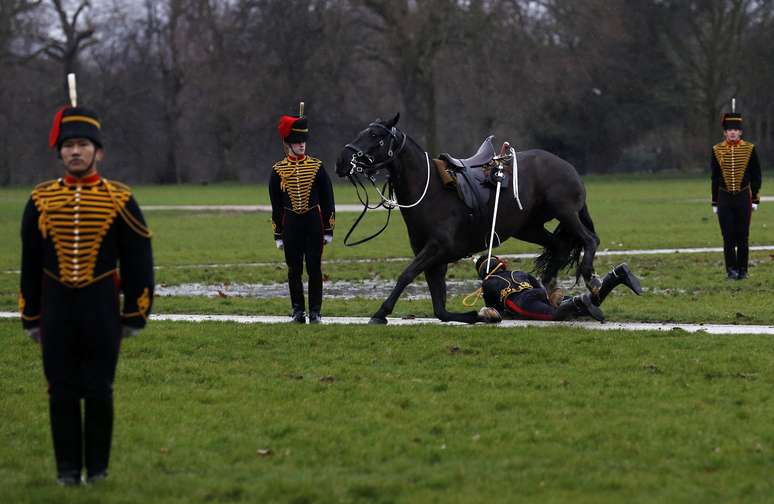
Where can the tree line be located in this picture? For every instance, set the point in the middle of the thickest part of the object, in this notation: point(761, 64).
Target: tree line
point(191, 90)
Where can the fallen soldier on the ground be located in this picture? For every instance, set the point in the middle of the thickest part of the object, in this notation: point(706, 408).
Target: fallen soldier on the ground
point(519, 295)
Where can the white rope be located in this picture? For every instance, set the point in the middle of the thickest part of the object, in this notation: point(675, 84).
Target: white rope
point(516, 178)
point(393, 202)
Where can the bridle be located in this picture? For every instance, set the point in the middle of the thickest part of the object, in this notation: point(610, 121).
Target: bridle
point(362, 163)
point(367, 165)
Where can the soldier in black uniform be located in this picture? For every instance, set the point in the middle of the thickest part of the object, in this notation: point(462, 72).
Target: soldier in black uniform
point(519, 295)
point(736, 180)
point(303, 215)
point(75, 231)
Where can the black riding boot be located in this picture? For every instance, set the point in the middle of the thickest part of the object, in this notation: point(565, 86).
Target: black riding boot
point(68, 444)
point(579, 306)
point(298, 316)
point(98, 434)
point(621, 274)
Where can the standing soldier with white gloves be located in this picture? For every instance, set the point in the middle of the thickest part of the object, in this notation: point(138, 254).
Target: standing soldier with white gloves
point(84, 241)
point(736, 180)
point(303, 215)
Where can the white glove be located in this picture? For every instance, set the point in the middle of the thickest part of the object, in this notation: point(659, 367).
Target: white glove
point(755, 206)
point(34, 334)
point(714, 209)
point(280, 244)
point(328, 238)
point(128, 331)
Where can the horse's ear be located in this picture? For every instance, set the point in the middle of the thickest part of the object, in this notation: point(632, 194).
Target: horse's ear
point(392, 122)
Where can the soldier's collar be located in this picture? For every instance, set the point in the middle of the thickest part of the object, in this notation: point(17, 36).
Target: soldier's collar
point(295, 159)
point(733, 143)
point(89, 180)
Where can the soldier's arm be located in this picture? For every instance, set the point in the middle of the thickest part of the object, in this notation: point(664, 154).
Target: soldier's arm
point(327, 204)
point(32, 267)
point(754, 168)
point(491, 292)
point(277, 210)
point(715, 169)
point(136, 264)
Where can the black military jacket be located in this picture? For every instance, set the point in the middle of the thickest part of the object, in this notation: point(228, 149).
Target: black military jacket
point(501, 284)
point(735, 168)
point(300, 185)
point(76, 232)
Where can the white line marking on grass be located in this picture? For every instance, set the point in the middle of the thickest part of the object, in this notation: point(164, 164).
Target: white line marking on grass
point(281, 263)
point(506, 324)
point(236, 208)
point(342, 207)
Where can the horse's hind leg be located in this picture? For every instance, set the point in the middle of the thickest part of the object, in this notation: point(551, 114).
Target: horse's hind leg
point(436, 281)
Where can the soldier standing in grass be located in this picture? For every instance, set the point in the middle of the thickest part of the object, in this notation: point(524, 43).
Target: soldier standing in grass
point(303, 214)
point(74, 232)
point(736, 180)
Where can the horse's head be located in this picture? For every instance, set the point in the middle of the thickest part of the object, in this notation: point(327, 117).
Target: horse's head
point(372, 149)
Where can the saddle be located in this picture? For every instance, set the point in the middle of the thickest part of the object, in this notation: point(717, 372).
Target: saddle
point(471, 177)
point(482, 157)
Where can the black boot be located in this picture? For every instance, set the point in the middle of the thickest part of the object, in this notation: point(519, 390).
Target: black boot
point(742, 274)
point(314, 317)
point(621, 274)
point(98, 434)
point(298, 317)
point(732, 274)
point(68, 444)
point(579, 306)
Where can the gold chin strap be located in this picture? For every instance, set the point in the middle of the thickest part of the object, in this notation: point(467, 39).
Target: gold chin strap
point(476, 294)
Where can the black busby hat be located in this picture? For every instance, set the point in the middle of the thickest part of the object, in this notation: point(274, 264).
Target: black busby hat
point(484, 268)
point(293, 129)
point(732, 120)
point(75, 122)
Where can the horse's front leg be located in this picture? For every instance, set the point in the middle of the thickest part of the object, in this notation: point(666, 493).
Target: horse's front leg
point(436, 281)
point(421, 261)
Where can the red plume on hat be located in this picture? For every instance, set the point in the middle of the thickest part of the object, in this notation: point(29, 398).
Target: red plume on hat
point(53, 136)
point(285, 125)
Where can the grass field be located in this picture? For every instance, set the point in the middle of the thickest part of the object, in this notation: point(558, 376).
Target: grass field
point(228, 413)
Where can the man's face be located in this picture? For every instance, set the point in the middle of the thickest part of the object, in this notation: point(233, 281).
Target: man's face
point(298, 149)
point(732, 135)
point(79, 156)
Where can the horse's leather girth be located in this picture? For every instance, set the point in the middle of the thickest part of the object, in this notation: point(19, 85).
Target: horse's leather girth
point(448, 181)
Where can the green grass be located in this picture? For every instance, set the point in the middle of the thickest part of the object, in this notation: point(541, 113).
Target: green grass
point(399, 414)
point(420, 414)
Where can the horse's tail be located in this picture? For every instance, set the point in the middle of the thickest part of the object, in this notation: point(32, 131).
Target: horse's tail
point(585, 218)
point(549, 260)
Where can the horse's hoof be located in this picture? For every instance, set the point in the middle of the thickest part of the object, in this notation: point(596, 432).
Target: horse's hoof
point(377, 321)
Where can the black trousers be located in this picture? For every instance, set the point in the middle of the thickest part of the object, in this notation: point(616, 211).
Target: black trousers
point(80, 338)
point(303, 238)
point(734, 212)
point(530, 304)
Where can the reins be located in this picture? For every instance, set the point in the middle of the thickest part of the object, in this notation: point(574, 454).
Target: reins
point(355, 181)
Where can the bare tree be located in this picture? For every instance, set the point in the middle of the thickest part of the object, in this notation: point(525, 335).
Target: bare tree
point(705, 40)
point(11, 24)
point(410, 35)
point(76, 39)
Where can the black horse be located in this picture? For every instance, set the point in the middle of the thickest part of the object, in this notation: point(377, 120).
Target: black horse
point(440, 227)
